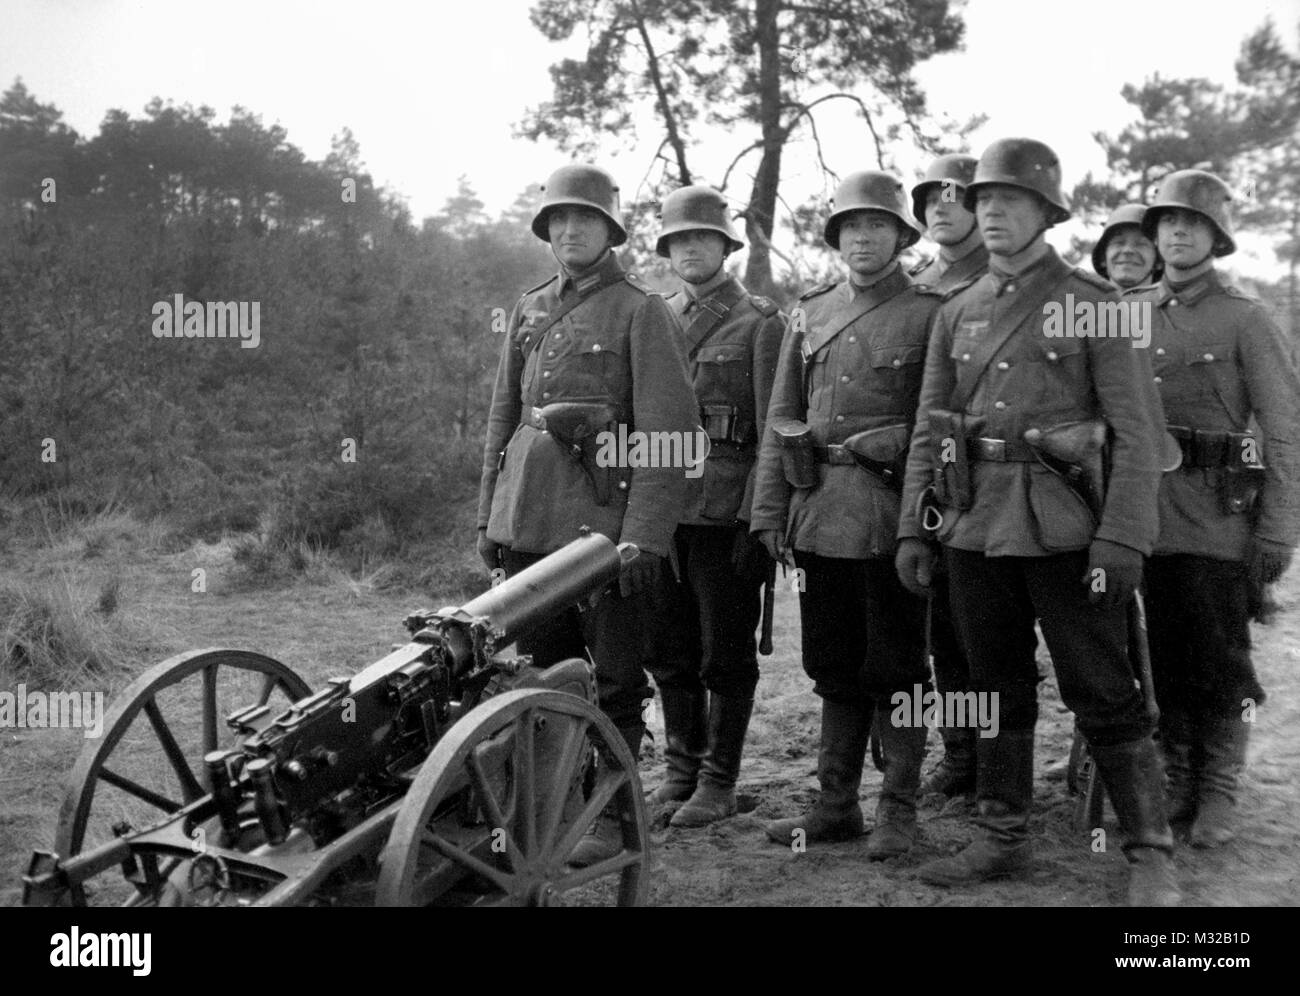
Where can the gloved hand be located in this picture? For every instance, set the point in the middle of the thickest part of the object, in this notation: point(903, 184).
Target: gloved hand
point(774, 543)
point(642, 575)
point(1267, 561)
point(748, 555)
point(1114, 573)
point(489, 550)
point(916, 563)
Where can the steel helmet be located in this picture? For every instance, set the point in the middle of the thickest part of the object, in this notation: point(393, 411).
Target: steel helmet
point(870, 190)
point(1199, 191)
point(956, 170)
point(580, 185)
point(693, 208)
point(1025, 163)
point(1125, 214)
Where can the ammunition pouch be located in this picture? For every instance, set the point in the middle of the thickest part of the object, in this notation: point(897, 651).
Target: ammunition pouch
point(797, 458)
point(882, 452)
point(1241, 480)
point(724, 424)
point(575, 426)
point(949, 436)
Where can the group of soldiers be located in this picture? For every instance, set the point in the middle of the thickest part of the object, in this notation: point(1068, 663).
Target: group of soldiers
point(944, 467)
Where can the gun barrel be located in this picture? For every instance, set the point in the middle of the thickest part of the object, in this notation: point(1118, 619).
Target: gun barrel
point(556, 582)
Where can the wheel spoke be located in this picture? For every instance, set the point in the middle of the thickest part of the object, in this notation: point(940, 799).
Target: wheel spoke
point(581, 876)
point(139, 791)
point(493, 807)
point(190, 787)
point(604, 791)
point(563, 773)
point(269, 684)
point(466, 860)
point(526, 782)
point(209, 708)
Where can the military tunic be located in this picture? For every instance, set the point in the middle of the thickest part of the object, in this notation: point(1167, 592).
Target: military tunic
point(851, 361)
point(1019, 554)
point(615, 347)
point(942, 277)
point(1219, 362)
point(731, 340)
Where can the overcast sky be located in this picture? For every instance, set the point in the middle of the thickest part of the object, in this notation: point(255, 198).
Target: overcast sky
point(432, 89)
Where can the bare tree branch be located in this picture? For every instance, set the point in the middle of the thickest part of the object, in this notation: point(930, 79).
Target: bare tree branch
point(661, 95)
point(756, 144)
point(803, 109)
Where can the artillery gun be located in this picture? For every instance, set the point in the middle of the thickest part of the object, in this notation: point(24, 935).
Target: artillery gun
point(448, 772)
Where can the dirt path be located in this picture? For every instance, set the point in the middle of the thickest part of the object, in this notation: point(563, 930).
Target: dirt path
point(324, 630)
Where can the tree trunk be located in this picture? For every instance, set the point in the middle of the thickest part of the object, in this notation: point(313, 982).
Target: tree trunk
point(761, 213)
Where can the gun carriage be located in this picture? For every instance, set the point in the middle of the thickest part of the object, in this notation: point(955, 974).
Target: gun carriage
point(449, 772)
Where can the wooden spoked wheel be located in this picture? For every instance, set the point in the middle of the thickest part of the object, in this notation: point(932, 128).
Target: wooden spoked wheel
point(500, 804)
point(148, 761)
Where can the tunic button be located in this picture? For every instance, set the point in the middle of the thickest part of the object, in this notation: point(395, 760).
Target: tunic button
point(898, 363)
point(1053, 356)
point(1010, 287)
point(1160, 350)
point(839, 418)
point(999, 405)
point(596, 348)
point(1157, 379)
point(844, 379)
point(622, 485)
point(965, 356)
point(546, 373)
point(721, 357)
point(550, 352)
point(1004, 365)
point(546, 394)
point(1173, 301)
point(853, 338)
point(1209, 356)
point(559, 335)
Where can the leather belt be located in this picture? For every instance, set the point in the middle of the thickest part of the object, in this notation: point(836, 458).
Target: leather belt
point(834, 454)
point(1001, 450)
point(1209, 447)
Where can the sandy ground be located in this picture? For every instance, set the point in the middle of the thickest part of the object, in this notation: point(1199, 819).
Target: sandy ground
point(327, 629)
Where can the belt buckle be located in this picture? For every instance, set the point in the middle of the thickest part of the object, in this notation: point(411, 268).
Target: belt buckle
point(991, 449)
point(536, 419)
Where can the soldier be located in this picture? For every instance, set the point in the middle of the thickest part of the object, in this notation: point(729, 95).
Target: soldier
point(586, 351)
point(1124, 255)
point(1225, 521)
point(707, 667)
point(1019, 544)
point(827, 489)
point(938, 203)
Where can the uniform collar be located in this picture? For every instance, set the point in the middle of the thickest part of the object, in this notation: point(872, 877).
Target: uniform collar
point(695, 294)
point(892, 272)
point(1190, 292)
point(1046, 267)
point(586, 281)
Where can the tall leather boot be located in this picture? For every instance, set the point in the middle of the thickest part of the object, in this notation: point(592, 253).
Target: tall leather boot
point(1132, 776)
point(685, 718)
point(715, 796)
point(1224, 740)
point(1005, 791)
point(904, 750)
point(836, 815)
point(604, 838)
point(1180, 777)
point(955, 773)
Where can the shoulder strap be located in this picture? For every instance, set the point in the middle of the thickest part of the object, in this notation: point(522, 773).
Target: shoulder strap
point(713, 309)
point(608, 280)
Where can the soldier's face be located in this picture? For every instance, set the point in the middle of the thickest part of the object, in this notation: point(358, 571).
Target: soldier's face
point(1009, 218)
point(1184, 238)
point(946, 219)
point(696, 255)
point(868, 241)
point(1130, 255)
point(578, 236)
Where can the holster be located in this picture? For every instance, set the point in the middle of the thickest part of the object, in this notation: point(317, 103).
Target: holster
point(1075, 451)
point(1239, 488)
point(949, 433)
point(882, 451)
point(797, 458)
point(575, 426)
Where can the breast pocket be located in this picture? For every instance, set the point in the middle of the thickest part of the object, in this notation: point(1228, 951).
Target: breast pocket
point(592, 363)
point(1050, 376)
point(896, 377)
point(1204, 378)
